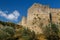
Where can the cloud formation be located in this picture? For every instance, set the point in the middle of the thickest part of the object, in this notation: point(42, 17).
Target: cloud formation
point(12, 16)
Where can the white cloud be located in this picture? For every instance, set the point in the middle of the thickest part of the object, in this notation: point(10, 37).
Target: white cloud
point(11, 16)
point(2, 14)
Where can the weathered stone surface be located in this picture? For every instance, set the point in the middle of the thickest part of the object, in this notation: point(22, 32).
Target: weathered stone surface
point(38, 17)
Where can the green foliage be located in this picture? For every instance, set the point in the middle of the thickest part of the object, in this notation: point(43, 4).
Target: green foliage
point(55, 28)
point(8, 24)
point(51, 32)
point(26, 34)
point(3, 23)
point(6, 32)
point(3, 35)
point(9, 30)
point(46, 30)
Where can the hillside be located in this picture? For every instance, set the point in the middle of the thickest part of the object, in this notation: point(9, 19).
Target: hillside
point(11, 31)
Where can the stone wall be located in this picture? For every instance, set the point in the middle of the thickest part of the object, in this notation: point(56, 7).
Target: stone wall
point(38, 17)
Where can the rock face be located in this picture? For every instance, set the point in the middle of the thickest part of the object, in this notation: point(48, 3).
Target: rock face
point(39, 16)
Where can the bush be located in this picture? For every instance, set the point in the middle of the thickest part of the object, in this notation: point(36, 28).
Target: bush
point(3, 35)
point(26, 34)
point(9, 30)
point(51, 32)
point(6, 32)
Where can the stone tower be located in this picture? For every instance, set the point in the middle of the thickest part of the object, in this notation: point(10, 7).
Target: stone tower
point(38, 17)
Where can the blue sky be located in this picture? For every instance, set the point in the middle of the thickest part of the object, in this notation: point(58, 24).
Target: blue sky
point(9, 8)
